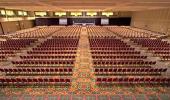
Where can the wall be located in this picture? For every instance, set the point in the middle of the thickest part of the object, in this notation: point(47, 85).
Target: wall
point(155, 20)
point(125, 14)
point(24, 24)
point(12, 26)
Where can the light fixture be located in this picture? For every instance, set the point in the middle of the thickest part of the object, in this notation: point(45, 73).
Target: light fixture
point(91, 13)
point(60, 14)
point(76, 13)
point(107, 14)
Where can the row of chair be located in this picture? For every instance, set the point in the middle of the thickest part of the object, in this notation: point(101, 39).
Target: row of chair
point(110, 48)
point(119, 57)
point(117, 52)
point(37, 70)
point(10, 48)
point(51, 52)
point(68, 62)
point(33, 81)
point(129, 70)
point(159, 48)
point(133, 80)
point(55, 48)
point(47, 57)
point(123, 62)
point(166, 58)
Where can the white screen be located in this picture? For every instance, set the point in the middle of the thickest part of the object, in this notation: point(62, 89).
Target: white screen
point(63, 21)
point(104, 21)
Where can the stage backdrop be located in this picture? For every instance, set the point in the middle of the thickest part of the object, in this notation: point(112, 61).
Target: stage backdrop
point(120, 21)
point(70, 21)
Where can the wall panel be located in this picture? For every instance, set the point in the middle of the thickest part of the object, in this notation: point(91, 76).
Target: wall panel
point(10, 27)
point(154, 20)
point(24, 24)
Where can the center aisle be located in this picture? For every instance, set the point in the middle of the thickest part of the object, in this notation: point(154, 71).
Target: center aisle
point(83, 75)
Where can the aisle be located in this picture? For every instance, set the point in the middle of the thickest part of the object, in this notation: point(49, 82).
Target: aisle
point(83, 76)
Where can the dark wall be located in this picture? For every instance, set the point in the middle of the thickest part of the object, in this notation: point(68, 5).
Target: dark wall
point(53, 21)
point(41, 21)
point(69, 21)
point(98, 21)
point(46, 21)
point(120, 21)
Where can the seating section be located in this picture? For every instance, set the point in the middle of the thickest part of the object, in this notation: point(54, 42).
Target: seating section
point(128, 33)
point(116, 52)
point(70, 32)
point(52, 60)
point(157, 47)
point(41, 32)
point(11, 47)
point(98, 31)
point(55, 48)
point(151, 33)
point(49, 63)
point(24, 31)
point(116, 62)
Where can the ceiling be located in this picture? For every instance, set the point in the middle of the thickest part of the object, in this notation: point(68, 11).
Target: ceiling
point(84, 5)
